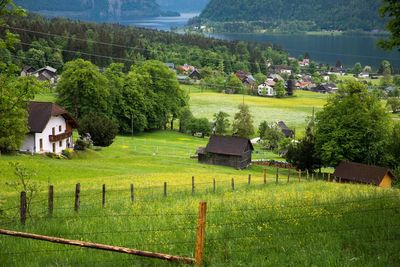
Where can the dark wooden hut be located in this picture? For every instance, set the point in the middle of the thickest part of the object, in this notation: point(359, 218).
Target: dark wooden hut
point(227, 151)
point(351, 172)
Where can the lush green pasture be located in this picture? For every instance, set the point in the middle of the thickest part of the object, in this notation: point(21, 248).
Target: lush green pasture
point(295, 224)
point(293, 110)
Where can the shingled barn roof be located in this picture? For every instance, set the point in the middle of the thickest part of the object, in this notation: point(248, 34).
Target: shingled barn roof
point(362, 173)
point(228, 145)
point(40, 113)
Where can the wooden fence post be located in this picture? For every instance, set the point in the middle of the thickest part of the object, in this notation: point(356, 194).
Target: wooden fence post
point(233, 184)
point(249, 179)
point(51, 200)
point(23, 207)
point(214, 185)
point(299, 175)
point(277, 175)
point(103, 202)
point(265, 175)
point(132, 193)
point(201, 232)
point(165, 189)
point(77, 196)
point(192, 185)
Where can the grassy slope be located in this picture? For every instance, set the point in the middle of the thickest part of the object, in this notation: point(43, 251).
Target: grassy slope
point(266, 225)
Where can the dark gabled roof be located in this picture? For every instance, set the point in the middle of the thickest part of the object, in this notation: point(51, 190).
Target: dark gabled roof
point(39, 114)
point(362, 173)
point(28, 69)
point(228, 145)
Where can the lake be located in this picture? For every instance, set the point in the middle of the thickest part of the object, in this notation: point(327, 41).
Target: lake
point(325, 49)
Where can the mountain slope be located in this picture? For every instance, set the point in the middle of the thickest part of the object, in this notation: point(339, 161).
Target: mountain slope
point(321, 14)
point(94, 9)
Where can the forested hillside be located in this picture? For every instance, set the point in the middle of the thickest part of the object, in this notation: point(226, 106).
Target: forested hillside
point(56, 41)
point(305, 14)
point(91, 9)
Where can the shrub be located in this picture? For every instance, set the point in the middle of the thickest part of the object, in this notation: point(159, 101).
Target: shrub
point(102, 130)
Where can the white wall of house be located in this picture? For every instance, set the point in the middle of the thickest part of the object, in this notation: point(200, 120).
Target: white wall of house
point(34, 140)
point(269, 91)
point(29, 143)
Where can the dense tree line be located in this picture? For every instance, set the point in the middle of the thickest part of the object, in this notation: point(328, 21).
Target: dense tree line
point(311, 14)
point(146, 98)
point(67, 40)
point(95, 10)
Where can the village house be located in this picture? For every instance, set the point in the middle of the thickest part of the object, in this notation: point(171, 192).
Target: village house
point(289, 133)
point(195, 75)
point(351, 172)
point(326, 88)
point(282, 69)
point(50, 128)
point(227, 151)
point(247, 79)
point(27, 70)
point(266, 90)
point(46, 74)
point(304, 63)
point(185, 69)
point(363, 75)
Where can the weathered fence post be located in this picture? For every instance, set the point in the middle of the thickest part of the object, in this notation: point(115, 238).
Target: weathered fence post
point(308, 174)
point(233, 184)
point(288, 176)
point(103, 202)
point(132, 193)
point(51, 200)
point(249, 179)
point(165, 189)
point(299, 175)
point(214, 185)
point(77, 196)
point(201, 232)
point(192, 185)
point(265, 175)
point(277, 175)
point(23, 207)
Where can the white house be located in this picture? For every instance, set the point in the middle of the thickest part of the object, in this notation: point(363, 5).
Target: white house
point(265, 90)
point(364, 75)
point(50, 128)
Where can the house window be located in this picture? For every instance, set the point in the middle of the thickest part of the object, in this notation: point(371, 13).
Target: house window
point(41, 144)
point(59, 128)
point(53, 131)
point(60, 143)
point(54, 147)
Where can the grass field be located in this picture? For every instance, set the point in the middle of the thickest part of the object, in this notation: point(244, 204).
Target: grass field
point(293, 110)
point(307, 223)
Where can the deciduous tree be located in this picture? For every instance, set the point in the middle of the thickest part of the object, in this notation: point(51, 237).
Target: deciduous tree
point(243, 122)
point(352, 126)
point(221, 122)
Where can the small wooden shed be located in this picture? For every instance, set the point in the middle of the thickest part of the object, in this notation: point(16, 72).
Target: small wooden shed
point(351, 172)
point(227, 151)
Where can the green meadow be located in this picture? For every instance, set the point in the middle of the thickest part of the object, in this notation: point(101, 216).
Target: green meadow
point(292, 222)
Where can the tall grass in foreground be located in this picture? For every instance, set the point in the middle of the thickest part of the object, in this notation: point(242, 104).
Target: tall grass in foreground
point(295, 224)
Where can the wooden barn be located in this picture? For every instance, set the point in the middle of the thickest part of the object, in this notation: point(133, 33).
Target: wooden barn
point(351, 172)
point(227, 151)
